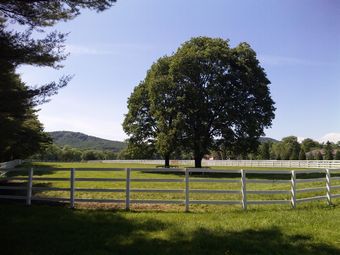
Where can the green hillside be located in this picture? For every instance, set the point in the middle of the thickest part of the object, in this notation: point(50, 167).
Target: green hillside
point(80, 140)
point(264, 139)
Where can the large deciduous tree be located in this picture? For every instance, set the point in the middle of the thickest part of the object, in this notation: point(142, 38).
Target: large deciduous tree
point(139, 124)
point(164, 101)
point(205, 96)
point(18, 121)
point(153, 119)
point(226, 98)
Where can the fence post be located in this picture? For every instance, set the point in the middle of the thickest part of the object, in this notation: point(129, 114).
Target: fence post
point(293, 189)
point(187, 201)
point(127, 189)
point(72, 187)
point(244, 189)
point(29, 187)
point(328, 187)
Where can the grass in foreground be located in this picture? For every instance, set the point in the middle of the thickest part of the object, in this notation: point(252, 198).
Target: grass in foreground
point(312, 228)
point(58, 230)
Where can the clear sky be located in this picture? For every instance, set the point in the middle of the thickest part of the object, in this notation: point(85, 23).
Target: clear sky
point(297, 43)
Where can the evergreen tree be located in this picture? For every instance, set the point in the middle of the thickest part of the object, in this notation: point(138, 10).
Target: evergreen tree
point(21, 133)
point(337, 155)
point(328, 151)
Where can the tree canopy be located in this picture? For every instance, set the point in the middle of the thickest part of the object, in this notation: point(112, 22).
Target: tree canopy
point(206, 95)
point(226, 96)
point(153, 119)
point(18, 120)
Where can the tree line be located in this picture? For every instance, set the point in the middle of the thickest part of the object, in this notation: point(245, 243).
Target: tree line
point(287, 149)
point(290, 149)
point(54, 152)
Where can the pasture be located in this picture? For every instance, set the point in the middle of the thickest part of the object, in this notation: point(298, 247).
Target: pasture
point(311, 228)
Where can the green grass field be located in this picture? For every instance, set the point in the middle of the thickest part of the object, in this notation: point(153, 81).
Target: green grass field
point(312, 228)
point(46, 172)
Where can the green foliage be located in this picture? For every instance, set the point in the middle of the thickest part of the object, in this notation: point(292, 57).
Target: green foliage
point(302, 154)
point(91, 155)
point(224, 95)
point(328, 151)
point(153, 120)
point(309, 144)
point(82, 141)
point(136, 150)
point(68, 154)
point(337, 155)
point(21, 133)
point(37, 13)
point(288, 148)
point(204, 96)
point(50, 153)
point(139, 125)
point(164, 101)
point(264, 150)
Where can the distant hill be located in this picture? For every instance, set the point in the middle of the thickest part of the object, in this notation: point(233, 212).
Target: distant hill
point(267, 139)
point(82, 141)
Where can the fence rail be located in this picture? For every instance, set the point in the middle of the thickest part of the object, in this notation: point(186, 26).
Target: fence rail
point(189, 175)
point(10, 164)
point(239, 163)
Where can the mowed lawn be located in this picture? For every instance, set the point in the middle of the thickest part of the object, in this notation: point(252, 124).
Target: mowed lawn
point(312, 228)
point(42, 229)
point(46, 170)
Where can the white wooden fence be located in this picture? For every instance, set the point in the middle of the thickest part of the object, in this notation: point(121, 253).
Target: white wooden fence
point(10, 164)
point(239, 163)
point(328, 189)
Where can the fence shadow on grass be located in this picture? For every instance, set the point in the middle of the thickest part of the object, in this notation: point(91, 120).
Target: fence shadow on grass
point(57, 230)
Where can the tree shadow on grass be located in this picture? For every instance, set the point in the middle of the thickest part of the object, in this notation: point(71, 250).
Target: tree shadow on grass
point(12, 191)
point(263, 241)
point(23, 170)
point(238, 175)
point(56, 230)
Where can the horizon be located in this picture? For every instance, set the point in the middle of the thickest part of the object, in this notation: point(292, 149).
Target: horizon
point(297, 43)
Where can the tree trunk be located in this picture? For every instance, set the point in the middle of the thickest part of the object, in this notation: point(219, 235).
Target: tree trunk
point(198, 162)
point(167, 161)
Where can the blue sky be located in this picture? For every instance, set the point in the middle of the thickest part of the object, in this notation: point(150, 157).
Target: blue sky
point(297, 43)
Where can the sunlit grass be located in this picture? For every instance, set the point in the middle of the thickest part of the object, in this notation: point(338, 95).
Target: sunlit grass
point(46, 170)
